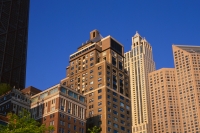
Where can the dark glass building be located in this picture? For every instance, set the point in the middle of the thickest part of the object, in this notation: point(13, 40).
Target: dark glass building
point(14, 16)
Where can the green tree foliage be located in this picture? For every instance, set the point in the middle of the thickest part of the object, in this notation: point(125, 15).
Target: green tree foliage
point(23, 124)
point(4, 88)
point(94, 129)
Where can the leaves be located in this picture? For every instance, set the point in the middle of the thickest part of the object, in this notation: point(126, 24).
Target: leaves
point(23, 124)
point(4, 88)
point(94, 129)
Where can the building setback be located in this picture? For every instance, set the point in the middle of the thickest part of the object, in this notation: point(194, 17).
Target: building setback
point(139, 63)
point(175, 93)
point(14, 16)
point(97, 71)
point(164, 102)
point(187, 66)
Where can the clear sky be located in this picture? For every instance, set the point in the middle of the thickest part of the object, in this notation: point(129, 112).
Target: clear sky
point(58, 27)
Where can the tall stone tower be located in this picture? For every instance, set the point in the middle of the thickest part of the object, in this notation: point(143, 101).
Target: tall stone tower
point(139, 63)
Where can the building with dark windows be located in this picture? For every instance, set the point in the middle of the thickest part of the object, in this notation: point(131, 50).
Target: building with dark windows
point(97, 71)
point(16, 100)
point(14, 16)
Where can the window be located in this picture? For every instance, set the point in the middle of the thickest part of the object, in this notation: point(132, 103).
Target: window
point(51, 123)
point(114, 61)
point(74, 127)
point(122, 128)
point(108, 96)
point(68, 125)
point(109, 129)
point(108, 84)
point(115, 112)
point(91, 71)
point(91, 100)
point(120, 65)
point(115, 131)
point(90, 113)
point(114, 93)
point(116, 46)
point(127, 100)
point(115, 119)
point(99, 97)
point(100, 90)
point(121, 97)
point(99, 79)
point(109, 109)
point(122, 122)
point(108, 72)
point(122, 115)
point(114, 106)
point(127, 107)
point(122, 104)
point(91, 64)
point(108, 67)
point(99, 73)
point(114, 99)
point(93, 34)
point(109, 122)
point(121, 109)
point(91, 94)
point(99, 67)
point(99, 85)
point(91, 106)
point(99, 109)
point(114, 71)
point(99, 103)
point(115, 125)
point(91, 58)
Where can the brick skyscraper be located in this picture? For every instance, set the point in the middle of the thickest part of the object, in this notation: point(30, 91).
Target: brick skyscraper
point(97, 71)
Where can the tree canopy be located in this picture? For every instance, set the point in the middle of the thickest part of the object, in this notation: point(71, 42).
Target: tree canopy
point(94, 129)
point(4, 88)
point(23, 124)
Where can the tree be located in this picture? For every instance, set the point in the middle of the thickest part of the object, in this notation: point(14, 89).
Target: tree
point(94, 129)
point(4, 88)
point(23, 124)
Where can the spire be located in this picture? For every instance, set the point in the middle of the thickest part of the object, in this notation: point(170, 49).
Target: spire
point(137, 34)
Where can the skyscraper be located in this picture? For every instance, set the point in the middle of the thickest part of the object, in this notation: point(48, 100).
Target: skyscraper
point(187, 66)
point(14, 16)
point(164, 102)
point(139, 63)
point(97, 71)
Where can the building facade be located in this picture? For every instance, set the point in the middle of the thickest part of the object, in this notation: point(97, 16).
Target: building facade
point(61, 107)
point(164, 102)
point(139, 63)
point(14, 16)
point(97, 71)
point(187, 66)
point(14, 101)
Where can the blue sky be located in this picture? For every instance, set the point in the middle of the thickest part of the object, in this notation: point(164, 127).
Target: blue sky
point(58, 27)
